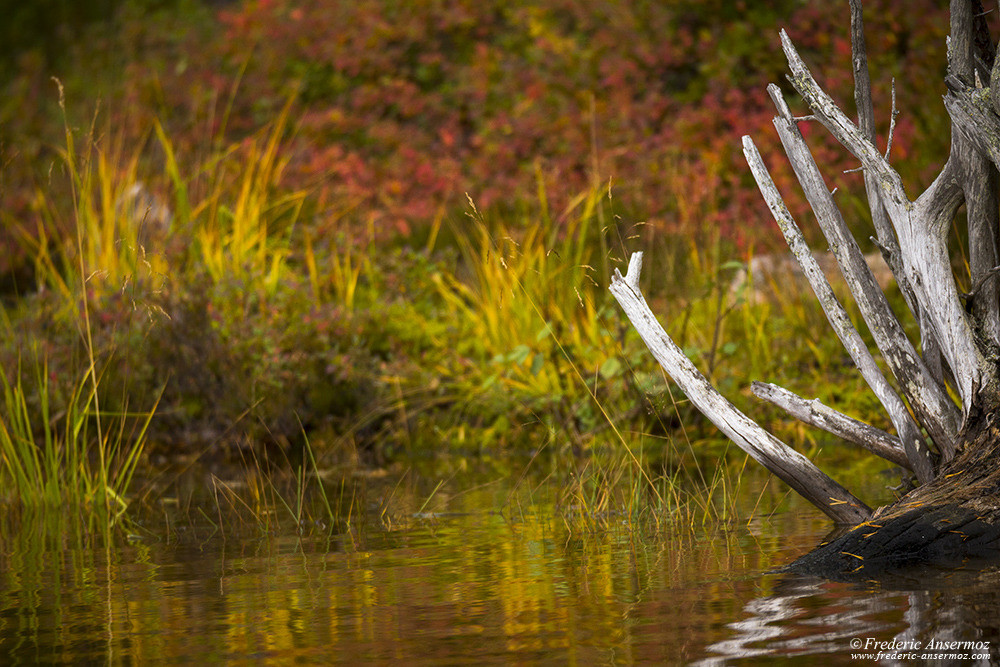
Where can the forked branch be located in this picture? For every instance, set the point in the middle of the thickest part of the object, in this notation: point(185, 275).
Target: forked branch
point(921, 227)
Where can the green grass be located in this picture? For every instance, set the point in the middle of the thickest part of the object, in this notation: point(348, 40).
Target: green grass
point(58, 446)
point(49, 460)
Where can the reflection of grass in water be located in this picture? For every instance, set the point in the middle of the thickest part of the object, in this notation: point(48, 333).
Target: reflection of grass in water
point(58, 560)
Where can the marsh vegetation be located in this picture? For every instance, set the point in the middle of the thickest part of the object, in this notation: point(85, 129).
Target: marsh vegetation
point(309, 350)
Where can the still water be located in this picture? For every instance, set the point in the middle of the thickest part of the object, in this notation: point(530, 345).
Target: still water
point(525, 584)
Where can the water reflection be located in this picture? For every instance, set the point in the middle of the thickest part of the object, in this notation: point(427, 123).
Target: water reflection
point(915, 611)
point(469, 586)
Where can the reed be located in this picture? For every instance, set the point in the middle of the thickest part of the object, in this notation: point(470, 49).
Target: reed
point(59, 445)
point(244, 222)
point(531, 307)
point(56, 459)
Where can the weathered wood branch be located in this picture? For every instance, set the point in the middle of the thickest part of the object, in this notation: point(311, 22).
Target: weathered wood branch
point(932, 352)
point(928, 399)
point(971, 112)
point(866, 121)
point(781, 460)
point(885, 235)
point(916, 449)
point(995, 77)
point(978, 177)
point(815, 413)
point(845, 131)
point(921, 227)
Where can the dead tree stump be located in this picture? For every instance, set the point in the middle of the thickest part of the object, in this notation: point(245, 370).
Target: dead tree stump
point(943, 395)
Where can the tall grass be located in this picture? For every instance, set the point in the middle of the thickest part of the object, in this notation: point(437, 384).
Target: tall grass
point(245, 221)
point(531, 304)
point(228, 246)
point(49, 459)
point(534, 309)
point(56, 449)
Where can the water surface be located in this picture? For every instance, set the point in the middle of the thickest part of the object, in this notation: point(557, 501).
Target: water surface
point(471, 585)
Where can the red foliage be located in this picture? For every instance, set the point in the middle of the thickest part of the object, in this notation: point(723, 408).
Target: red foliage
point(403, 108)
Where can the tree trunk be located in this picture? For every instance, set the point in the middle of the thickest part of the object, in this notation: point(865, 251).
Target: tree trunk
point(953, 448)
point(951, 520)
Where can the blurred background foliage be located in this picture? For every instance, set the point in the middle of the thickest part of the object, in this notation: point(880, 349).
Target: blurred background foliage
point(391, 225)
point(403, 108)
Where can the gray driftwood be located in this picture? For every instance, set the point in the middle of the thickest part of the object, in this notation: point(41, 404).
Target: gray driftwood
point(951, 444)
point(814, 413)
point(790, 466)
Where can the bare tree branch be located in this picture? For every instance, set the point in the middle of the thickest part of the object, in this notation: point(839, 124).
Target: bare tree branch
point(885, 234)
point(814, 413)
point(921, 229)
point(866, 120)
point(916, 449)
point(971, 112)
point(787, 464)
point(977, 176)
point(995, 77)
point(847, 133)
